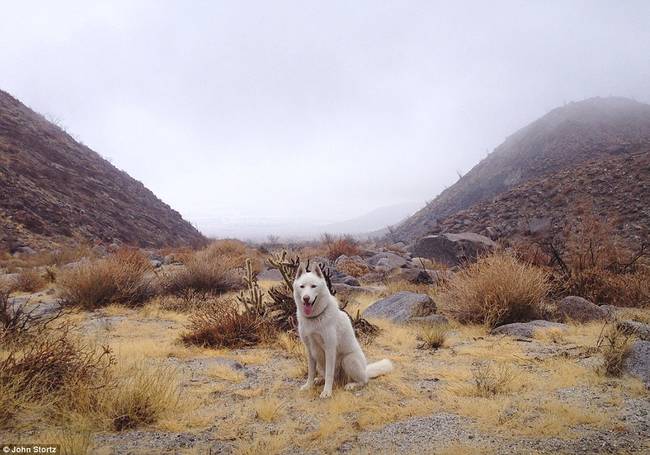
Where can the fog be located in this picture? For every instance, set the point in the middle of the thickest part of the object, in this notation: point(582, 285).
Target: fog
point(286, 117)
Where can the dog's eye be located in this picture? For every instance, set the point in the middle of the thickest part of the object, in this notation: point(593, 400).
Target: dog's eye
point(302, 286)
point(313, 285)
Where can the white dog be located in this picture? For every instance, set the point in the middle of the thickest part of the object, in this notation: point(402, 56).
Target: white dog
point(329, 337)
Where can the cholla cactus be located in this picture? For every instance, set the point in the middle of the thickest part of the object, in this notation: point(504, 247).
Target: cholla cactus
point(253, 299)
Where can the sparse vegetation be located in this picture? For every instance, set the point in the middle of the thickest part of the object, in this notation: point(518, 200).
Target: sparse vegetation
point(29, 280)
point(124, 277)
point(614, 344)
point(221, 324)
point(490, 380)
point(592, 263)
point(213, 270)
point(497, 289)
point(432, 336)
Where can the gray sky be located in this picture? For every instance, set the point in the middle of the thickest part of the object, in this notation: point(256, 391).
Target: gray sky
point(308, 110)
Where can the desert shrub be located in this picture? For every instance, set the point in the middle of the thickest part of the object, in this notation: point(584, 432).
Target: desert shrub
point(141, 395)
point(353, 268)
point(29, 280)
point(215, 270)
point(343, 246)
point(490, 380)
point(221, 324)
point(47, 371)
point(124, 277)
point(591, 262)
point(18, 324)
point(432, 336)
point(614, 343)
point(497, 289)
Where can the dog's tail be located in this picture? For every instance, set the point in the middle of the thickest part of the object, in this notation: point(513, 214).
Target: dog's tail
point(378, 368)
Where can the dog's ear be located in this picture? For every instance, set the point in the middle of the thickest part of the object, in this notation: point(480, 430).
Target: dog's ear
point(300, 271)
point(317, 271)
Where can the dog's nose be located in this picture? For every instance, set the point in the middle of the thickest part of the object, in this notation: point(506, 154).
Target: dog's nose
point(305, 299)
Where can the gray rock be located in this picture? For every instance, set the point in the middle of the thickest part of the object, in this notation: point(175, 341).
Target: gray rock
point(155, 263)
point(24, 251)
point(432, 319)
point(453, 249)
point(527, 329)
point(580, 310)
point(638, 362)
point(401, 307)
point(539, 225)
point(641, 330)
point(416, 276)
point(346, 289)
point(387, 261)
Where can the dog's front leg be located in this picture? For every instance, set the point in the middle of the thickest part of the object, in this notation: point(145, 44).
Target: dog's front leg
point(311, 368)
point(330, 363)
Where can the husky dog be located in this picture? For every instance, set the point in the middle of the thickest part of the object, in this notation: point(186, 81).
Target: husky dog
point(329, 337)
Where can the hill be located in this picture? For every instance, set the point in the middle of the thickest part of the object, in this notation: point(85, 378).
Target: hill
point(615, 189)
point(55, 190)
point(565, 138)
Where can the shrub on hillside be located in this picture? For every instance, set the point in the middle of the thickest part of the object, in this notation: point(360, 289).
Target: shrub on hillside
point(124, 277)
point(592, 263)
point(343, 246)
point(497, 289)
point(221, 324)
point(29, 280)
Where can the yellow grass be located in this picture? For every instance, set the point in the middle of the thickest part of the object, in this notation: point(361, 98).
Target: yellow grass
point(225, 373)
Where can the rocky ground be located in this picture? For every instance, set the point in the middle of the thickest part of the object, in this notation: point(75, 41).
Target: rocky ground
point(247, 400)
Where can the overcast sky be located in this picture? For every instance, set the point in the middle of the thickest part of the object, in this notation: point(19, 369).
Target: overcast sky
point(312, 110)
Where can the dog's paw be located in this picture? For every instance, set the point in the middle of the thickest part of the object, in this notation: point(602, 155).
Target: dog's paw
point(319, 381)
point(306, 386)
point(326, 394)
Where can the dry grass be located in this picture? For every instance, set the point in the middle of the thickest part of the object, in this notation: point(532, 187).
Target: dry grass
point(29, 280)
point(214, 270)
point(143, 394)
point(221, 324)
point(615, 345)
point(353, 268)
point(490, 380)
point(498, 289)
point(124, 277)
point(343, 246)
point(268, 409)
point(432, 336)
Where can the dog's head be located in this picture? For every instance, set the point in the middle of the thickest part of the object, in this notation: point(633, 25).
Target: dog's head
point(310, 291)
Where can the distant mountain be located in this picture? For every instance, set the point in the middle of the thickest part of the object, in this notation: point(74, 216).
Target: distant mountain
point(55, 190)
point(569, 137)
point(258, 229)
point(375, 220)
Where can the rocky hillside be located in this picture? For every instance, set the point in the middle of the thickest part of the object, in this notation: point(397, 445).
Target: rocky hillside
point(615, 189)
point(54, 189)
point(564, 139)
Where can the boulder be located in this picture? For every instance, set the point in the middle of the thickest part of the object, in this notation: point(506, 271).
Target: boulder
point(155, 263)
point(638, 361)
point(417, 276)
point(24, 251)
point(639, 329)
point(402, 307)
point(345, 290)
point(387, 261)
point(527, 329)
point(432, 319)
point(340, 277)
point(453, 249)
point(580, 310)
